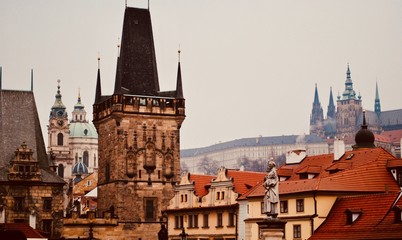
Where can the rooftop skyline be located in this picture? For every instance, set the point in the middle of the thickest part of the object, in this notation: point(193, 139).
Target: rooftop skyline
point(249, 68)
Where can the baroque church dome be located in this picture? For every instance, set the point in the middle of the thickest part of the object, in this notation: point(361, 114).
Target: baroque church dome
point(80, 168)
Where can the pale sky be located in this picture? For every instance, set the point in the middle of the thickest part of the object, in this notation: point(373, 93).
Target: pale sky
point(249, 67)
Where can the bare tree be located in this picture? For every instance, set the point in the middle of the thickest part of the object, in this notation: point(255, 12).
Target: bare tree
point(208, 166)
point(183, 167)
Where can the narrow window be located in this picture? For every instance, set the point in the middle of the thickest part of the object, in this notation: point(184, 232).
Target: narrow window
point(195, 219)
point(47, 226)
point(149, 209)
point(18, 203)
point(262, 207)
point(218, 194)
point(231, 219)
point(223, 195)
point(190, 221)
point(296, 231)
point(60, 139)
point(86, 158)
point(176, 222)
point(300, 205)
point(47, 204)
point(60, 170)
point(107, 172)
point(205, 221)
point(219, 220)
point(284, 206)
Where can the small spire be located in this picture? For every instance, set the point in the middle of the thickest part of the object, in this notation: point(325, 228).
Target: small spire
point(31, 80)
point(179, 85)
point(58, 86)
point(126, 3)
point(79, 95)
point(364, 125)
point(348, 72)
point(377, 104)
point(118, 47)
point(98, 91)
point(316, 99)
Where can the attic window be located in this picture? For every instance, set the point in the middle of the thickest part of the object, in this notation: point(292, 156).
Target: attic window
point(350, 156)
point(398, 214)
point(352, 215)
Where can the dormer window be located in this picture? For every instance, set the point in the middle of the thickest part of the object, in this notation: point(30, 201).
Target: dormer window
point(350, 156)
point(398, 214)
point(352, 215)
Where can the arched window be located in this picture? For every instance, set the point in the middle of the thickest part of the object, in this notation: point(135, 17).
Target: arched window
point(60, 170)
point(86, 158)
point(107, 172)
point(60, 139)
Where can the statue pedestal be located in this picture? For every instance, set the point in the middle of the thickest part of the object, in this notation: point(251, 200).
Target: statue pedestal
point(272, 229)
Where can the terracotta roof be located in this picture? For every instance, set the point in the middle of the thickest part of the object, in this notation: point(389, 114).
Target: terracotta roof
point(285, 172)
point(375, 222)
point(82, 187)
point(201, 183)
point(244, 180)
point(394, 135)
point(365, 171)
point(28, 231)
point(394, 163)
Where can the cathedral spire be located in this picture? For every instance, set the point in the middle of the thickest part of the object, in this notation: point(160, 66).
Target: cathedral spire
point(98, 93)
point(316, 100)
point(31, 80)
point(377, 105)
point(348, 72)
point(331, 106)
point(179, 85)
point(349, 93)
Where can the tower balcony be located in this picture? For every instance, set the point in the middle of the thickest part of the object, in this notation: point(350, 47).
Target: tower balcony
point(139, 104)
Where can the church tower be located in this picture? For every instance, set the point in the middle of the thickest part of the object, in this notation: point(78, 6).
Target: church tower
point(139, 134)
point(377, 104)
point(317, 116)
point(348, 109)
point(331, 106)
point(58, 137)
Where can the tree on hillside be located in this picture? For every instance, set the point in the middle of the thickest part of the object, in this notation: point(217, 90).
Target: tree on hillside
point(208, 166)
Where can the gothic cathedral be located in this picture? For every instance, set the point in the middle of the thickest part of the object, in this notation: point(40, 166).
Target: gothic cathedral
point(139, 133)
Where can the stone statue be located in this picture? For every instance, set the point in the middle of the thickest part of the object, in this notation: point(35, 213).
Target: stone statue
point(271, 197)
point(163, 233)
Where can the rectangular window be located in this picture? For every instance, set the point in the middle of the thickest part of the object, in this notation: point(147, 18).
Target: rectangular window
point(219, 220)
point(19, 203)
point(223, 195)
point(205, 223)
point(284, 206)
point(47, 204)
point(299, 205)
point(149, 209)
point(176, 222)
point(218, 195)
point(190, 221)
point(47, 226)
point(296, 231)
point(195, 220)
point(262, 207)
point(231, 219)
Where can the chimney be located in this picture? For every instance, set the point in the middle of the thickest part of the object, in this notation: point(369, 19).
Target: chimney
point(295, 155)
point(339, 149)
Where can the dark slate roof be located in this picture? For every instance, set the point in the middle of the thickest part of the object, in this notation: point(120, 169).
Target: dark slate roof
point(386, 119)
point(19, 122)
point(137, 71)
point(252, 142)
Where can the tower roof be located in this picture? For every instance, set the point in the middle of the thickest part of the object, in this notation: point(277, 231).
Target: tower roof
point(316, 99)
point(349, 93)
point(364, 138)
point(137, 62)
point(58, 103)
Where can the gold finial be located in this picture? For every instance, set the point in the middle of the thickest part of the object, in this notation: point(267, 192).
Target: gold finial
point(118, 47)
point(98, 60)
point(126, 3)
point(179, 52)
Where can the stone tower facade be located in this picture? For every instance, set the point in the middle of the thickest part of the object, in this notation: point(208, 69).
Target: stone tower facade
point(58, 137)
point(139, 134)
point(349, 108)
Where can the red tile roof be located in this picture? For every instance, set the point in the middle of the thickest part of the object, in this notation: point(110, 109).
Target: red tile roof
point(243, 180)
point(28, 231)
point(394, 135)
point(201, 183)
point(364, 171)
point(375, 222)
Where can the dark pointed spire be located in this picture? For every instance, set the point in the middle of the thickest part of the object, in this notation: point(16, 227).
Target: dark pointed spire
point(331, 106)
point(138, 70)
point(348, 72)
point(31, 80)
point(316, 100)
point(179, 85)
point(117, 83)
point(377, 104)
point(98, 93)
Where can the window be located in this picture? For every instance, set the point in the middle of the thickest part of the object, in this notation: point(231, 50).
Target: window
point(284, 206)
point(205, 221)
point(352, 215)
point(47, 225)
point(218, 195)
point(195, 220)
point(299, 205)
point(60, 170)
point(262, 207)
point(190, 221)
point(60, 139)
point(85, 157)
point(231, 219)
point(178, 222)
point(149, 209)
point(223, 195)
point(47, 204)
point(18, 203)
point(107, 172)
point(296, 231)
point(219, 220)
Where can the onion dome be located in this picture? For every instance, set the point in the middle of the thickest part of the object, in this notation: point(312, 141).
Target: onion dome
point(79, 126)
point(80, 168)
point(364, 138)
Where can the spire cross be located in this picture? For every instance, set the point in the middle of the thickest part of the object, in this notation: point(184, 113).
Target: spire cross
point(98, 60)
point(179, 52)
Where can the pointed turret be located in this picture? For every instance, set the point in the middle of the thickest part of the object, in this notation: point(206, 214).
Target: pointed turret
point(58, 109)
point(79, 112)
point(331, 106)
point(98, 93)
point(349, 93)
point(316, 100)
point(179, 85)
point(31, 80)
point(377, 105)
point(317, 116)
point(117, 84)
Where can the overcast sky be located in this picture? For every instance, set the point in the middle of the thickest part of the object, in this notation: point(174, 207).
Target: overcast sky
point(249, 67)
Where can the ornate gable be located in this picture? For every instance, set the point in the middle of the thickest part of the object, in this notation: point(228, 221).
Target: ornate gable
point(24, 167)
